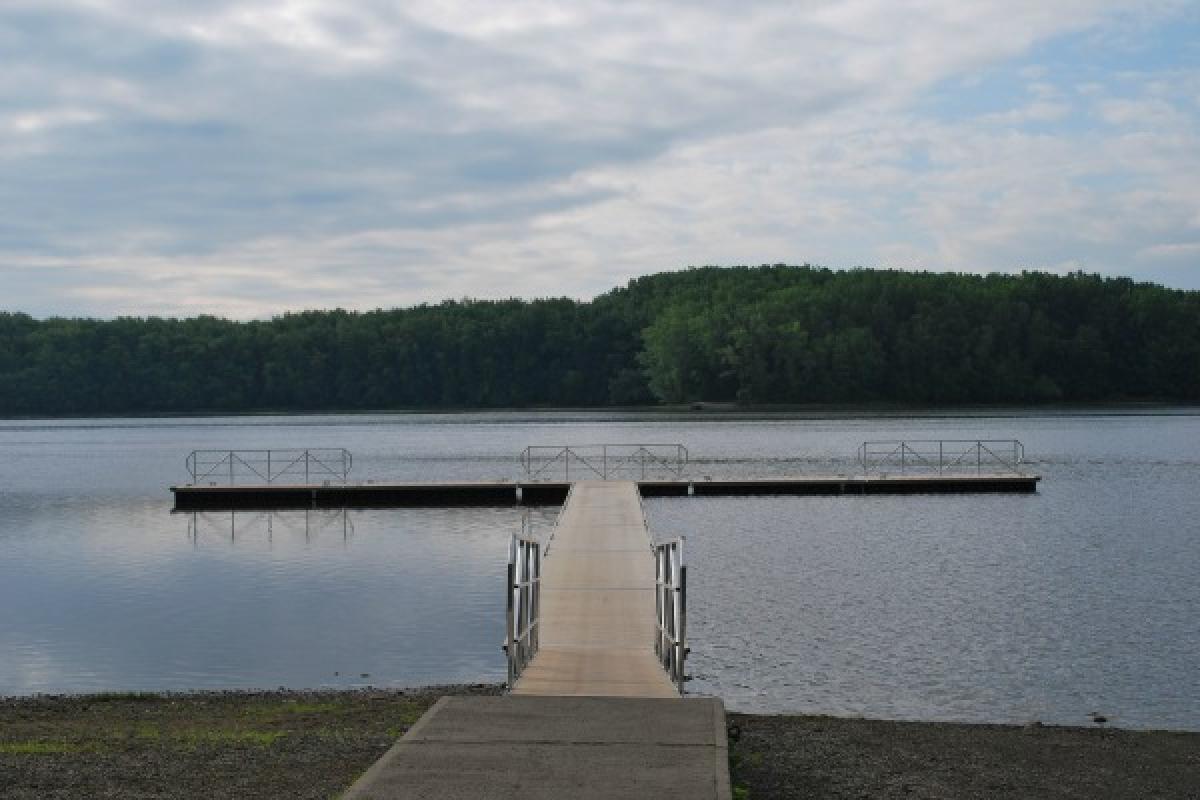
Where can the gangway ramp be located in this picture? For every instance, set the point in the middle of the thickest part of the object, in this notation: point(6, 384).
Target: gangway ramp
point(597, 601)
point(593, 715)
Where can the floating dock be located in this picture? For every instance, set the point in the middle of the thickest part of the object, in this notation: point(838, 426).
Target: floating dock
point(224, 497)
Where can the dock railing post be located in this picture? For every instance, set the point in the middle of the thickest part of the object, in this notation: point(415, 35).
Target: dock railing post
point(682, 619)
point(670, 607)
point(509, 648)
point(535, 633)
point(522, 604)
point(522, 600)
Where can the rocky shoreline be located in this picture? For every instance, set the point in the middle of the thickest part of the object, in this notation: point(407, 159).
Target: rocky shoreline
point(313, 744)
point(834, 757)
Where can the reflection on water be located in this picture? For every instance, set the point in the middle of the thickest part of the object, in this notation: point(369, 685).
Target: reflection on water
point(309, 523)
point(137, 598)
point(1083, 597)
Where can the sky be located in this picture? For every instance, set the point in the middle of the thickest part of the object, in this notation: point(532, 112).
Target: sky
point(245, 158)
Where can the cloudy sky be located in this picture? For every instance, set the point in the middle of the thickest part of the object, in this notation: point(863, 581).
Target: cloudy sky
point(246, 157)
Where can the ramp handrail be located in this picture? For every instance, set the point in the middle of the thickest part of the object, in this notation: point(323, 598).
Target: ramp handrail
point(942, 456)
point(524, 604)
point(604, 461)
point(670, 601)
point(269, 466)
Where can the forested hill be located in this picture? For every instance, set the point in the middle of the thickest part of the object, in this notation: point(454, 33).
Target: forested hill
point(773, 334)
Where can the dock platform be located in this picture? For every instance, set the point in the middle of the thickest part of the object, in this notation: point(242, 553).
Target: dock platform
point(225, 497)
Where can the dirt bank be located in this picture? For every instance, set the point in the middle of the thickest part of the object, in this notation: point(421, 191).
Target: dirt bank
point(297, 745)
point(202, 745)
point(827, 757)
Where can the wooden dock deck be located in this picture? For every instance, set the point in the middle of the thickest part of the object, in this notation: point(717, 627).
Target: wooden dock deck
point(224, 497)
point(597, 621)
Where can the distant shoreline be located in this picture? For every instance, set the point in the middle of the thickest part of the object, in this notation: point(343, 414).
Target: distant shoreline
point(1127, 408)
point(750, 336)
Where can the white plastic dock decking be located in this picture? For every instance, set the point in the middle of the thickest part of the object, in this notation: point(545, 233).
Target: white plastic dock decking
point(597, 622)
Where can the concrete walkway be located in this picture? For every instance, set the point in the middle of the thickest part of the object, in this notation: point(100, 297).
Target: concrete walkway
point(577, 748)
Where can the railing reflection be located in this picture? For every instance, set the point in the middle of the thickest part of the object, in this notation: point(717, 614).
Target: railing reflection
point(232, 525)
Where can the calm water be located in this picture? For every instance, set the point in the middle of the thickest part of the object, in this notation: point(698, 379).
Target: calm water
point(1084, 597)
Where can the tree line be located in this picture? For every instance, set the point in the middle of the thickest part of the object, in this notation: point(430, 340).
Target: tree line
point(751, 335)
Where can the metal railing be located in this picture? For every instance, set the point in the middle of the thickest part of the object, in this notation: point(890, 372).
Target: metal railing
point(604, 461)
point(942, 456)
point(670, 600)
point(269, 466)
point(524, 604)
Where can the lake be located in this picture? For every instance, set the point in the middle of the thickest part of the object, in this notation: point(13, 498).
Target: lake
point(992, 608)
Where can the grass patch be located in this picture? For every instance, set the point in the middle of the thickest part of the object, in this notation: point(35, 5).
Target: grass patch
point(147, 732)
point(408, 716)
point(306, 745)
point(125, 697)
point(737, 762)
point(310, 708)
point(290, 708)
point(259, 738)
point(38, 748)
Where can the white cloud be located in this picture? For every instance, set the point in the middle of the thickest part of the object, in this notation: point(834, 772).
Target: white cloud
point(1154, 112)
point(1189, 251)
point(249, 157)
point(32, 122)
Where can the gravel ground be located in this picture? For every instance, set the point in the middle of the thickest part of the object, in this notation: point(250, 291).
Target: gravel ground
point(296, 745)
point(828, 757)
point(282, 744)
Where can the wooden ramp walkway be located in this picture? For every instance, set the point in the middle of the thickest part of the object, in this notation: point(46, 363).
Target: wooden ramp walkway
point(597, 621)
point(594, 714)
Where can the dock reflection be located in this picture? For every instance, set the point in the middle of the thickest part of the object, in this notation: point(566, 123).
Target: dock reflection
point(230, 526)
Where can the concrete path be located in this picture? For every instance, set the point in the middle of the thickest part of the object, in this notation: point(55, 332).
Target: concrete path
point(579, 748)
point(597, 616)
